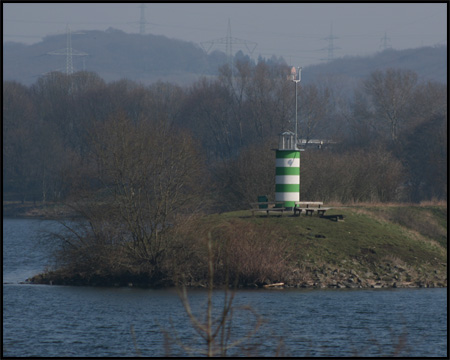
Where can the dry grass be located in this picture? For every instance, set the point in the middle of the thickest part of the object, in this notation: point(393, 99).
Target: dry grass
point(423, 228)
point(434, 202)
point(380, 217)
point(425, 203)
point(250, 254)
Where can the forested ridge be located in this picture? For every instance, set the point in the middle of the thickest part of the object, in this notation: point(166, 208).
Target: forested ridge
point(389, 138)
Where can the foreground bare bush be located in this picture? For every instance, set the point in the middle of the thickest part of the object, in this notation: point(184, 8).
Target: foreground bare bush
point(250, 254)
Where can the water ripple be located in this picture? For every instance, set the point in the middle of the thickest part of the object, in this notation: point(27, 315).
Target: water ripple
point(65, 321)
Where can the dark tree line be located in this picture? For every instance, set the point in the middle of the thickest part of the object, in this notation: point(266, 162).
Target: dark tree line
point(389, 135)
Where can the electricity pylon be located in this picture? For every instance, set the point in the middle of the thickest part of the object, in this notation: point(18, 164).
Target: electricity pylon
point(142, 22)
point(229, 41)
point(384, 42)
point(68, 52)
point(330, 46)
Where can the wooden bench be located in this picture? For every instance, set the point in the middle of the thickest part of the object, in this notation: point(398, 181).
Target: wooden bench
point(320, 211)
point(307, 203)
point(298, 209)
point(310, 210)
point(267, 207)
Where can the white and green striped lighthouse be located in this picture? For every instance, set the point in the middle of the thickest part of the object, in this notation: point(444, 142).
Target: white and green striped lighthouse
point(287, 170)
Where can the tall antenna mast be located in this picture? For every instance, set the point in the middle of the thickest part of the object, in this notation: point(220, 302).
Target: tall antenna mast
point(296, 76)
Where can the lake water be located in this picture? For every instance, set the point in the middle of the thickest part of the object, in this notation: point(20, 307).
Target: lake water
point(50, 321)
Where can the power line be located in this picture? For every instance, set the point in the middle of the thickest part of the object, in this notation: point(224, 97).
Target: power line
point(63, 22)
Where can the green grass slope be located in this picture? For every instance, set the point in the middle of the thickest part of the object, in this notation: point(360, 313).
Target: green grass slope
point(375, 246)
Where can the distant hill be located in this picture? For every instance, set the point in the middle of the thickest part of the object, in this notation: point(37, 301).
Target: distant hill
point(114, 55)
point(430, 63)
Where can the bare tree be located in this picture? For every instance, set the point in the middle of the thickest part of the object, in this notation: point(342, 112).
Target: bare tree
point(207, 111)
point(145, 174)
point(371, 175)
point(423, 150)
point(251, 174)
point(313, 108)
point(269, 100)
point(391, 93)
point(236, 85)
point(18, 119)
point(429, 100)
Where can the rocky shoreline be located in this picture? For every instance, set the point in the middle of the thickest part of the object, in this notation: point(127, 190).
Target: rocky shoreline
point(367, 284)
point(352, 266)
point(383, 276)
point(328, 277)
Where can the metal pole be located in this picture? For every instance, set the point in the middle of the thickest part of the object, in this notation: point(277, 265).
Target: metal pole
point(296, 79)
point(296, 142)
point(299, 177)
point(296, 115)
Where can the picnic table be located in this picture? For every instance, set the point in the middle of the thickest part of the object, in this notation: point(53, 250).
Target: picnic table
point(310, 207)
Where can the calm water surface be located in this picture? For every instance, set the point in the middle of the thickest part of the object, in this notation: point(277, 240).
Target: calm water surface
point(41, 320)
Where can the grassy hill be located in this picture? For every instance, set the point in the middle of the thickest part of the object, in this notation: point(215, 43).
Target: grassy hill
point(375, 246)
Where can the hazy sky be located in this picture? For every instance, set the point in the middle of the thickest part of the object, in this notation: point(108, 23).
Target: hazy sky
point(298, 32)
